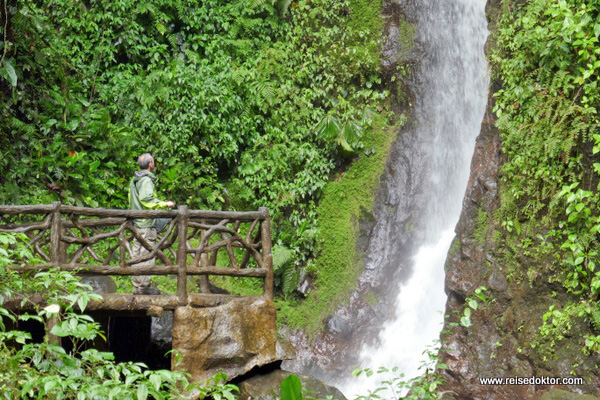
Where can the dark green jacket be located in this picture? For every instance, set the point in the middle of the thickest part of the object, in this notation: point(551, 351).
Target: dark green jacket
point(141, 196)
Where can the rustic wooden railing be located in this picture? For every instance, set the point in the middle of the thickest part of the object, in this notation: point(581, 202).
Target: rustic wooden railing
point(96, 241)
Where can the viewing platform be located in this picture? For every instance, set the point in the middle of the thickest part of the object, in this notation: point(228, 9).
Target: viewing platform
point(201, 243)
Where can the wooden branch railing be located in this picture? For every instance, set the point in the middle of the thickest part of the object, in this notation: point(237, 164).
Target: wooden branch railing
point(96, 241)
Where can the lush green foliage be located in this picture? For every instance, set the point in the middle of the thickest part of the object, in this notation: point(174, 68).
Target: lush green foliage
point(46, 370)
point(472, 303)
point(391, 383)
point(548, 60)
point(394, 385)
point(244, 103)
point(344, 203)
point(291, 388)
point(30, 370)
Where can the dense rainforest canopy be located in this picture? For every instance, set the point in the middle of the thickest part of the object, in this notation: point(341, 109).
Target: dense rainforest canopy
point(244, 103)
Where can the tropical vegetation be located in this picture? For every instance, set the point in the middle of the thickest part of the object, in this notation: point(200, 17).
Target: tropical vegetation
point(275, 103)
point(547, 59)
point(34, 369)
point(244, 104)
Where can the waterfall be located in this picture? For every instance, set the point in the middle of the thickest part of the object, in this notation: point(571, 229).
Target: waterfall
point(425, 190)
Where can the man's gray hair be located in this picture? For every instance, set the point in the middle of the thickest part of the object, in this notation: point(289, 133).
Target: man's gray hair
point(145, 160)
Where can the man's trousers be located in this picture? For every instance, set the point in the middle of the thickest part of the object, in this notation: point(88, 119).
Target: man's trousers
point(143, 281)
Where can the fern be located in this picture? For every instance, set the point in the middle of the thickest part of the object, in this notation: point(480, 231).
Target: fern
point(242, 46)
point(285, 270)
point(250, 23)
point(265, 90)
point(254, 4)
point(22, 127)
point(174, 40)
point(192, 55)
point(289, 278)
point(283, 7)
point(160, 27)
point(239, 75)
point(281, 256)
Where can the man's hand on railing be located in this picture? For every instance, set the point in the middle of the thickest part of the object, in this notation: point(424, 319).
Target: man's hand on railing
point(170, 204)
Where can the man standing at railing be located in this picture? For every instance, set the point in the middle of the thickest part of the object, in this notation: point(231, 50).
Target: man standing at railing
point(141, 197)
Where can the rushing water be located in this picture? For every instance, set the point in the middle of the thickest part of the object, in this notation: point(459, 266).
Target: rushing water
point(451, 86)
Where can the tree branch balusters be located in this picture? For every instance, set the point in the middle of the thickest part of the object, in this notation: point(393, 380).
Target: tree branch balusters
point(96, 241)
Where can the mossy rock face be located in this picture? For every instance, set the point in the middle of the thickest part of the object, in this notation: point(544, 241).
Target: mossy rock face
point(564, 395)
point(346, 203)
point(504, 339)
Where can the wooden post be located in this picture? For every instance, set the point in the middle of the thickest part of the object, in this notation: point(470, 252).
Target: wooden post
point(182, 255)
point(267, 256)
point(122, 250)
point(202, 280)
point(55, 233)
point(52, 339)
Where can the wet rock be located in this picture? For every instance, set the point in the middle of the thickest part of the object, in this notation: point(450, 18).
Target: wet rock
point(267, 387)
point(161, 328)
point(305, 286)
point(234, 337)
point(100, 284)
point(284, 350)
point(504, 328)
point(498, 282)
point(340, 327)
point(390, 48)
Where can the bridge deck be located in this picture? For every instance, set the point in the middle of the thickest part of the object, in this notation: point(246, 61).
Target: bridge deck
point(129, 302)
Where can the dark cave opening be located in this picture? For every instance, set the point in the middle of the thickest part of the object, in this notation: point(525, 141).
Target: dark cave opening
point(130, 336)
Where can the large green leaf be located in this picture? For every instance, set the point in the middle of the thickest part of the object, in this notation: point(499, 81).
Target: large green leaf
point(291, 388)
point(10, 71)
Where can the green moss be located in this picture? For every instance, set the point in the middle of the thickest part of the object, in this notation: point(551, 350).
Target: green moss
point(455, 248)
point(338, 263)
point(407, 34)
point(409, 226)
point(366, 22)
point(238, 285)
point(349, 199)
point(481, 227)
point(497, 236)
point(370, 298)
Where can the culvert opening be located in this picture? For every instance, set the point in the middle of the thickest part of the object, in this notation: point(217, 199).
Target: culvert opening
point(130, 336)
point(136, 337)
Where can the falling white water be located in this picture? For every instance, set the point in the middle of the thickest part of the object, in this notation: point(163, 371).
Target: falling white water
point(404, 340)
point(452, 93)
point(412, 300)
